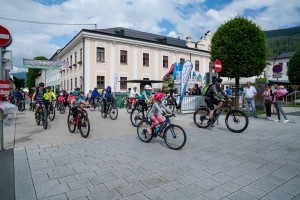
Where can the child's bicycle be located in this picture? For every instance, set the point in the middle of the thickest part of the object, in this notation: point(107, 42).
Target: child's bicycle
point(81, 121)
point(173, 135)
point(235, 120)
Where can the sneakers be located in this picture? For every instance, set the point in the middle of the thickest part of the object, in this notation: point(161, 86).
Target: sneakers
point(268, 118)
point(277, 120)
point(210, 123)
point(286, 121)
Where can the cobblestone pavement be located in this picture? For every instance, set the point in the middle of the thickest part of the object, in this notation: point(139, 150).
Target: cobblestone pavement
point(261, 163)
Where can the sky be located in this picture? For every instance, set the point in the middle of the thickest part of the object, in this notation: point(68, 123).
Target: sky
point(174, 18)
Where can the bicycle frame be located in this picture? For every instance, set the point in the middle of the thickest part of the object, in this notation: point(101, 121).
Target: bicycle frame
point(163, 125)
point(217, 115)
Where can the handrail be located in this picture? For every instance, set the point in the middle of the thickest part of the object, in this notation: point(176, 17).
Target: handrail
point(292, 93)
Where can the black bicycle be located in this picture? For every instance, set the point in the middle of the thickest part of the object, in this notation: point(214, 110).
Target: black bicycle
point(42, 116)
point(173, 135)
point(171, 103)
point(138, 114)
point(51, 111)
point(20, 104)
point(111, 109)
point(96, 105)
point(235, 120)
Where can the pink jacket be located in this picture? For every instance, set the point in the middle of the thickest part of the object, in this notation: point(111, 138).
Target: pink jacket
point(279, 93)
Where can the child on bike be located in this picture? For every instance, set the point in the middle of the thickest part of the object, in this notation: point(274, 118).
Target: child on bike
point(156, 110)
point(75, 103)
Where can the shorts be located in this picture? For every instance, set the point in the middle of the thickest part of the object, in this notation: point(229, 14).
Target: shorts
point(211, 102)
point(132, 99)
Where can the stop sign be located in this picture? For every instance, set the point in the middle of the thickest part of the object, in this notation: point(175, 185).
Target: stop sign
point(218, 65)
point(5, 37)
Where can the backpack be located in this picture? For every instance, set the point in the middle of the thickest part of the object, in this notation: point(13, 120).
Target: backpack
point(37, 91)
point(205, 89)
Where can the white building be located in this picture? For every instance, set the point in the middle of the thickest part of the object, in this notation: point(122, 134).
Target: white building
point(96, 56)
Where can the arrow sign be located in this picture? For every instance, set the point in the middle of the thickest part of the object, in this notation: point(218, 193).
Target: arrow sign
point(5, 37)
point(218, 65)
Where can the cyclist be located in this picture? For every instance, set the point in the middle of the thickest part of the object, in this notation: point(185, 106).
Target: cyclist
point(215, 95)
point(107, 96)
point(145, 97)
point(155, 110)
point(81, 95)
point(49, 96)
point(95, 94)
point(76, 102)
point(18, 96)
point(133, 95)
point(38, 96)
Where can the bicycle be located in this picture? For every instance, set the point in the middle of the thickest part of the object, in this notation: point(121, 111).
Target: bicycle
point(32, 106)
point(171, 103)
point(42, 116)
point(111, 109)
point(97, 104)
point(233, 117)
point(81, 121)
point(138, 114)
point(20, 104)
point(174, 136)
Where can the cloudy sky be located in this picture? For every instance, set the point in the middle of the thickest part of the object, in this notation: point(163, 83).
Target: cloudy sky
point(166, 17)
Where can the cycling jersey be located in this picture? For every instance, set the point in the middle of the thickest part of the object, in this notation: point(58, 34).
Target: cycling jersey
point(148, 94)
point(39, 94)
point(47, 96)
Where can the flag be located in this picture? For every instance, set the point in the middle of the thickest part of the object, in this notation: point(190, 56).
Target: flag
point(186, 71)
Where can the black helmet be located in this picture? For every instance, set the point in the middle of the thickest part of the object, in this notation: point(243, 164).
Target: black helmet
point(48, 88)
point(41, 84)
point(219, 80)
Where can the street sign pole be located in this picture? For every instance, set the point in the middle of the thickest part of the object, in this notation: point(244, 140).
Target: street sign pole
point(1, 70)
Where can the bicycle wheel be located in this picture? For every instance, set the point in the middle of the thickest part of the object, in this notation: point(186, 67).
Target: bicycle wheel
point(201, 117)
point(37, 118)
point(121, 104)
point(103, 114)
point(45, 118)
point(71, 123)
point(51, 113)
point(171, 106)
point(236, 121)
point(129, 107)
point(99, 105)
point(22, 106)
point(174, 137)
point(135, 117)
point(62, 108)
point(19, 106)
point(84, 126)
point(113, 113)
point(142, 131)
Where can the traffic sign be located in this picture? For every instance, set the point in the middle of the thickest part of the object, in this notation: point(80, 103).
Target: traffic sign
point(277, 75)
point(218, 65)
point(5, 37)
point(277, 68)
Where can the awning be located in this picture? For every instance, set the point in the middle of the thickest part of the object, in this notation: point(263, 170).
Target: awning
point(287, 82)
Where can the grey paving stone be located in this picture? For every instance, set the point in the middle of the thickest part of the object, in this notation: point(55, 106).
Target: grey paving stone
point(174, 195)
point(135, 178)
point(254, 191)
point(83, 183)
point(191, 190)
point(242, 181)
point(291, 187)
point(25, 196)
point(222, 178)
point(61, 173)
point(110, 194)
point(216, 193)
point(102, 178)
point(154, 181)
point(57, 197)
point(67, 179)
point(104, 170)
point(208, 184)
point(230, 187)
point(187, 180)
point(97, 189)
point(138, 196)
point(78, 193)
point(115, 183)
point(123, 173)
point(129, 189)
point(44, 192)
point(154, 192)
point(86, 168)
point(202, 174)
point(173, 185)
point(85, 175)
point(264, 185)
point(238, 195)
point(278, 195)
point(46, 183)
point(171, 176)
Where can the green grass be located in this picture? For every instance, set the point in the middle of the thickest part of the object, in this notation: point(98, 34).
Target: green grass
point(291, 105)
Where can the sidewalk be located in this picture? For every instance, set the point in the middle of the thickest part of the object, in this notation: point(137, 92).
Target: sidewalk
point(261, 163)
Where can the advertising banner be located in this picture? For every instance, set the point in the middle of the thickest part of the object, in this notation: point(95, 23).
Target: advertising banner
point(185, 74)
point(44, 64)
point(4, 87)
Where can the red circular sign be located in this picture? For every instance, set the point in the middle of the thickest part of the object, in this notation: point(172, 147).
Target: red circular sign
point(218, 65)
point(5, 37)
point(277, 68)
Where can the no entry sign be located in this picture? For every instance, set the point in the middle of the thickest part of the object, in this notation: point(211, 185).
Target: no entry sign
point(5, 37)
point(218, 65)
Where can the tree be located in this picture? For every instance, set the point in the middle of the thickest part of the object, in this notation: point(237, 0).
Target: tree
point(20, 83)
point(294, 68)
point(240, 45)
point(33, 73)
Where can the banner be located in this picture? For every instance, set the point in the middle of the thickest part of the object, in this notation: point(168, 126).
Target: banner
point(116, 81)
point(4, 87)
point(185, 74)
point(44, 64)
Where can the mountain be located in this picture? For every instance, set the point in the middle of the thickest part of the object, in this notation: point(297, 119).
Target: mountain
point(282, 40)
point(20, 75)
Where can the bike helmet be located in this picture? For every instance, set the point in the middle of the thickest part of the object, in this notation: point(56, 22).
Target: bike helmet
point(148, 87)
point(48, 88)
point(41, 84)
point(158, 96)
point(75, 93)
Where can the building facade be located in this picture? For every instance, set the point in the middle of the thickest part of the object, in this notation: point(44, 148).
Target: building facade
point(99, 57)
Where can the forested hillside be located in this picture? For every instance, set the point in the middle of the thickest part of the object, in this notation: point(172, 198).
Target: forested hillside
point(282, 40)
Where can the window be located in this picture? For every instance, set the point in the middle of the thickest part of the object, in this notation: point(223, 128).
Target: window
point(75, 82)
point(71, 61)
point(80, 58)
point(197, 65)
point(146, 79)
point(182, 60)
point(100, 54)
point(122, 83)
point(123, 58)
point(71, 83)
point(75, 58)
point(146, 59)
point(165, 62)
point(281, 64)
point(101, 82)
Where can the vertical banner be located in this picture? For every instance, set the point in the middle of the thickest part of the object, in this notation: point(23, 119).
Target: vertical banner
point(185, 74)
point(115, 84)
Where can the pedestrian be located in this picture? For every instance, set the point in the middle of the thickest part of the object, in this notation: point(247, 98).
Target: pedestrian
point(278, 101)
point(228, 91)
point(268, 100)
point(196, 90)
point(249, 95)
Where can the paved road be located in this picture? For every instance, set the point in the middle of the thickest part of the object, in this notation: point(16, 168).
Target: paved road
point(261, 163)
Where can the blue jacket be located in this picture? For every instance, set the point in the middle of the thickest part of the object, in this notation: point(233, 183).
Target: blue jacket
point(95, 94)
point(18, 95)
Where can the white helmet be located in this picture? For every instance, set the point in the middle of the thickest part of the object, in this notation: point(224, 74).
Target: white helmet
point(148, 87)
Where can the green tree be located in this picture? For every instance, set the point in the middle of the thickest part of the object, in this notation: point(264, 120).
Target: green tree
point(294, 68)
point(240, 45)
point(33, 73)
point(19, 82)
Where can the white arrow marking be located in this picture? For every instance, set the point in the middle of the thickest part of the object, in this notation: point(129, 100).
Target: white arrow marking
point(4, 36)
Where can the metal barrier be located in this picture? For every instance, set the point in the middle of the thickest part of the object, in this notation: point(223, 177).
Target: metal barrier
point(191, 103)
point(294, 97)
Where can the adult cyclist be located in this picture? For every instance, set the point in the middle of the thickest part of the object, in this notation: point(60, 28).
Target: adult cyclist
point(107, 96)
point(38, 96)
point(18, 96)
point(145, 97)
point(49, 96)
point(95, 94)
point(215, 96)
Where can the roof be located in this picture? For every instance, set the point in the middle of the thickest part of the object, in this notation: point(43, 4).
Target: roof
point(285, 55)
point(139, 35)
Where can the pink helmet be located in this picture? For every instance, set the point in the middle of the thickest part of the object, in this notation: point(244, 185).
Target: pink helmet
point(158, 96)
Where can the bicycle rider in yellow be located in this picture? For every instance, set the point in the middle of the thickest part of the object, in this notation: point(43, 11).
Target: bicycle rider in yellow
point(49, 96)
